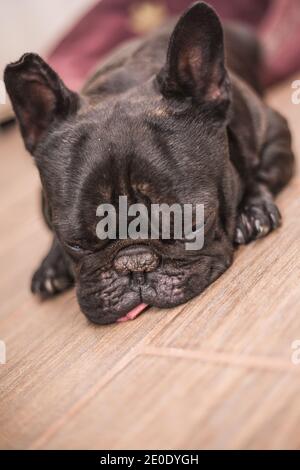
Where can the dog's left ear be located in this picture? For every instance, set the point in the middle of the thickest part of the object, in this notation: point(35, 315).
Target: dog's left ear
point(39, 97)
point(195, 61)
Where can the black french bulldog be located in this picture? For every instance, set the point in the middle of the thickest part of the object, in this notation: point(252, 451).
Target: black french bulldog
point(162, 120)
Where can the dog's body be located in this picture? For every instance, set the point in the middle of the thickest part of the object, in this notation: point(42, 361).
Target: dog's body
point(177, 129)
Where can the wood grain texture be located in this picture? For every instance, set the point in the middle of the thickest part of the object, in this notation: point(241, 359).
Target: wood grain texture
point(168, 402)
point(214, 373)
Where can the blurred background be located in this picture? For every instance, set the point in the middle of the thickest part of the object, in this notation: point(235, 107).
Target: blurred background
point(73, 35)
point(32, 25)
point(35, 25)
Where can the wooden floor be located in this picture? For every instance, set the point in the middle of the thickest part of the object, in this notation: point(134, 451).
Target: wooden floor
point(214, 373)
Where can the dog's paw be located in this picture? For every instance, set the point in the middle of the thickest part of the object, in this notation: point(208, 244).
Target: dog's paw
point(50, 280)
point(256, 221)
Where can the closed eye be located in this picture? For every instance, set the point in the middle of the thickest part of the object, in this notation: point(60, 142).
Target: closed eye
point(76, 248)
point(208, 223)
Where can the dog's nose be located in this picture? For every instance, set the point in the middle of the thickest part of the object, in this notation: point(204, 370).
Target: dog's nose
point(136, 259)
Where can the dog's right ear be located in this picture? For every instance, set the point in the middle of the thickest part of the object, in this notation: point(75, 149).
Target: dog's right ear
point(39, 97)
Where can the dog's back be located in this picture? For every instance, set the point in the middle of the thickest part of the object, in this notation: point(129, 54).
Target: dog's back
point(244, 54)
point(147, 55)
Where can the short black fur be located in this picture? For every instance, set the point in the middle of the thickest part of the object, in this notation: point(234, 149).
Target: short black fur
point(164, 119)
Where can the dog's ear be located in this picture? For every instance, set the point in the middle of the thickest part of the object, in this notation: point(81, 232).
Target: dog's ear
point(39, 97)
point(195, 61)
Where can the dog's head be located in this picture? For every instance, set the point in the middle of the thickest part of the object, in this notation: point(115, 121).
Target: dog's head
point(163, 141)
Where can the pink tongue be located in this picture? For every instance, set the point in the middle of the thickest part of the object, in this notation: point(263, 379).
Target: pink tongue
point(133, 313)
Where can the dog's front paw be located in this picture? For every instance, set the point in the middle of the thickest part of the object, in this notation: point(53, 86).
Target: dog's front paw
point(50, 280)
point(256, 221)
